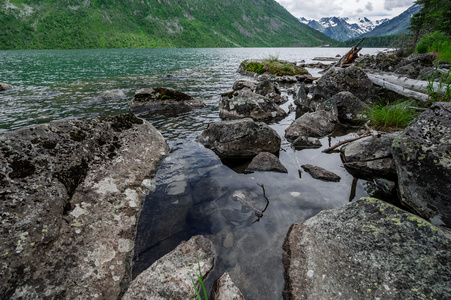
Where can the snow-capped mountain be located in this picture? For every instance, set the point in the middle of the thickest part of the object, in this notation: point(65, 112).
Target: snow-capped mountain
point(342, 29)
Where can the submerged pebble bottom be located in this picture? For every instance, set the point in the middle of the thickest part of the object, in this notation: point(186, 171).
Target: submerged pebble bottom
point(195, 193)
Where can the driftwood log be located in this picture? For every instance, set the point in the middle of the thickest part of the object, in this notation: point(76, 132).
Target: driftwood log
point(349, 57)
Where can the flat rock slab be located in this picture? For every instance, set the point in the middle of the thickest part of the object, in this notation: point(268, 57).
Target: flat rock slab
point(320, 173)
point(240, 138)
point(422, 154)
point(170, 276)
point(367, 249)
point(163, 99)
point(71, 194)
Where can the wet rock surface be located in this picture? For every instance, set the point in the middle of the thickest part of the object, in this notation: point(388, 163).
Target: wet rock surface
point(240, 138)
point(367, 249)
point(163, 99)
point(303, 142)
point(320, 173)
point(268, 162)
point(423, 164)
point(336, 80)
point(71, 194)
point(169, 277)
point(370, 157)
point(111, 95)
point(5, 86)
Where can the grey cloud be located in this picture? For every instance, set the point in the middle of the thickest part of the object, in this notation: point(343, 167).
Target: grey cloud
point(369, 6)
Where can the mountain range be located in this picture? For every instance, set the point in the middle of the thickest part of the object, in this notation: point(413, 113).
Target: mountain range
point(51, 24)
point(342, 29)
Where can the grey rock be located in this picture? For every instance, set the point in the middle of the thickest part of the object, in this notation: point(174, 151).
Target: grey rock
point(169, 277)
point(245, 103)
point(4, 86)
point(240, 138)
point(71, 194)
point(423, 164)
point(303, 142)
point(163, 99)
point(350, 108)
point(413, 64)
point(111, 95)
point(321, 173)
point(350, 79)
point(315, 124)
point(370, 157)
point(244, 84)
point(270, 90)
point(367, 249)
point(225, 289)
point(266, 161)
point(387, 186)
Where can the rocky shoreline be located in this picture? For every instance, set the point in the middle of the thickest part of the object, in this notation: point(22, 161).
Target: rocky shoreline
point(72, 191)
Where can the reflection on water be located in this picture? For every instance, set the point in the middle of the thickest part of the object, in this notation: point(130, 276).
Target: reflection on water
point(195, 193)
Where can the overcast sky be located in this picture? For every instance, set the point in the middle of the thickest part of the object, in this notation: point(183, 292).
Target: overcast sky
point(353, 9)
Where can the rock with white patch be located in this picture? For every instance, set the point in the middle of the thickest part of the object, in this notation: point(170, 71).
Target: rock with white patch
point(76, 187)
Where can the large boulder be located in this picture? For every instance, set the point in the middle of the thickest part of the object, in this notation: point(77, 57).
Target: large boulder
point(5, 86)
point(71, 194)
point(350, 79)
point(270, 90)
point(423, 163)
point(367, 249)
point(316, 124)
point(245, 103)
point(370, 157)
point(350, 108)
point(414, 64)
point(170, 276)
point(163, 99)
point(271, 67)
point(240, 138)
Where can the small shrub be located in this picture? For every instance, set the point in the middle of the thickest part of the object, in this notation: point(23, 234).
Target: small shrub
point(393, 115)
point(444, 83)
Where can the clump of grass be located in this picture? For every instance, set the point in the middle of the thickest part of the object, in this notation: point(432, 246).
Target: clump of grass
point(391, 116)
point(443, 92)
point(201, 282)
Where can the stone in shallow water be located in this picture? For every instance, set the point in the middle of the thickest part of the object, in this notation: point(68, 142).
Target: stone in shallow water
point(320, 173)
point(266, 161)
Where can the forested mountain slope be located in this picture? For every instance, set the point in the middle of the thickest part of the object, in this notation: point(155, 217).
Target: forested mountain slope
point(65, 24)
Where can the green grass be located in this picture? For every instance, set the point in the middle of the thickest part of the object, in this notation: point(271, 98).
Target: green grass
point(391, 116)
point(434, 95)
point(201, 282)
point(437, 42)
point(274, 66)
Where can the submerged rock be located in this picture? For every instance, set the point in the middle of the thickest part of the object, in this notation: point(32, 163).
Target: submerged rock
point(303, 142)
point(163, 99)
point(245, 103)
point(422, 157)
point(225, 289)
point(266, 161)
point(320, 173)
point(111, 95)
point(370, 157)
point(4, 87)
point(240, 138)
point(71, 194)
point(337, 80)
point(169, 277)
point(367, 249)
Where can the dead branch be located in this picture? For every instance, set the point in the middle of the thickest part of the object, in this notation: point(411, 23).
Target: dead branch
point(349, 57)
point(330, 149)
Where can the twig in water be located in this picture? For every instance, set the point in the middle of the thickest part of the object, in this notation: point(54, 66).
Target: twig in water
point(259, 213)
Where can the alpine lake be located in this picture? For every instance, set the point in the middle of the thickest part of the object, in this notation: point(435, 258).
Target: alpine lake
point(194, 192)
